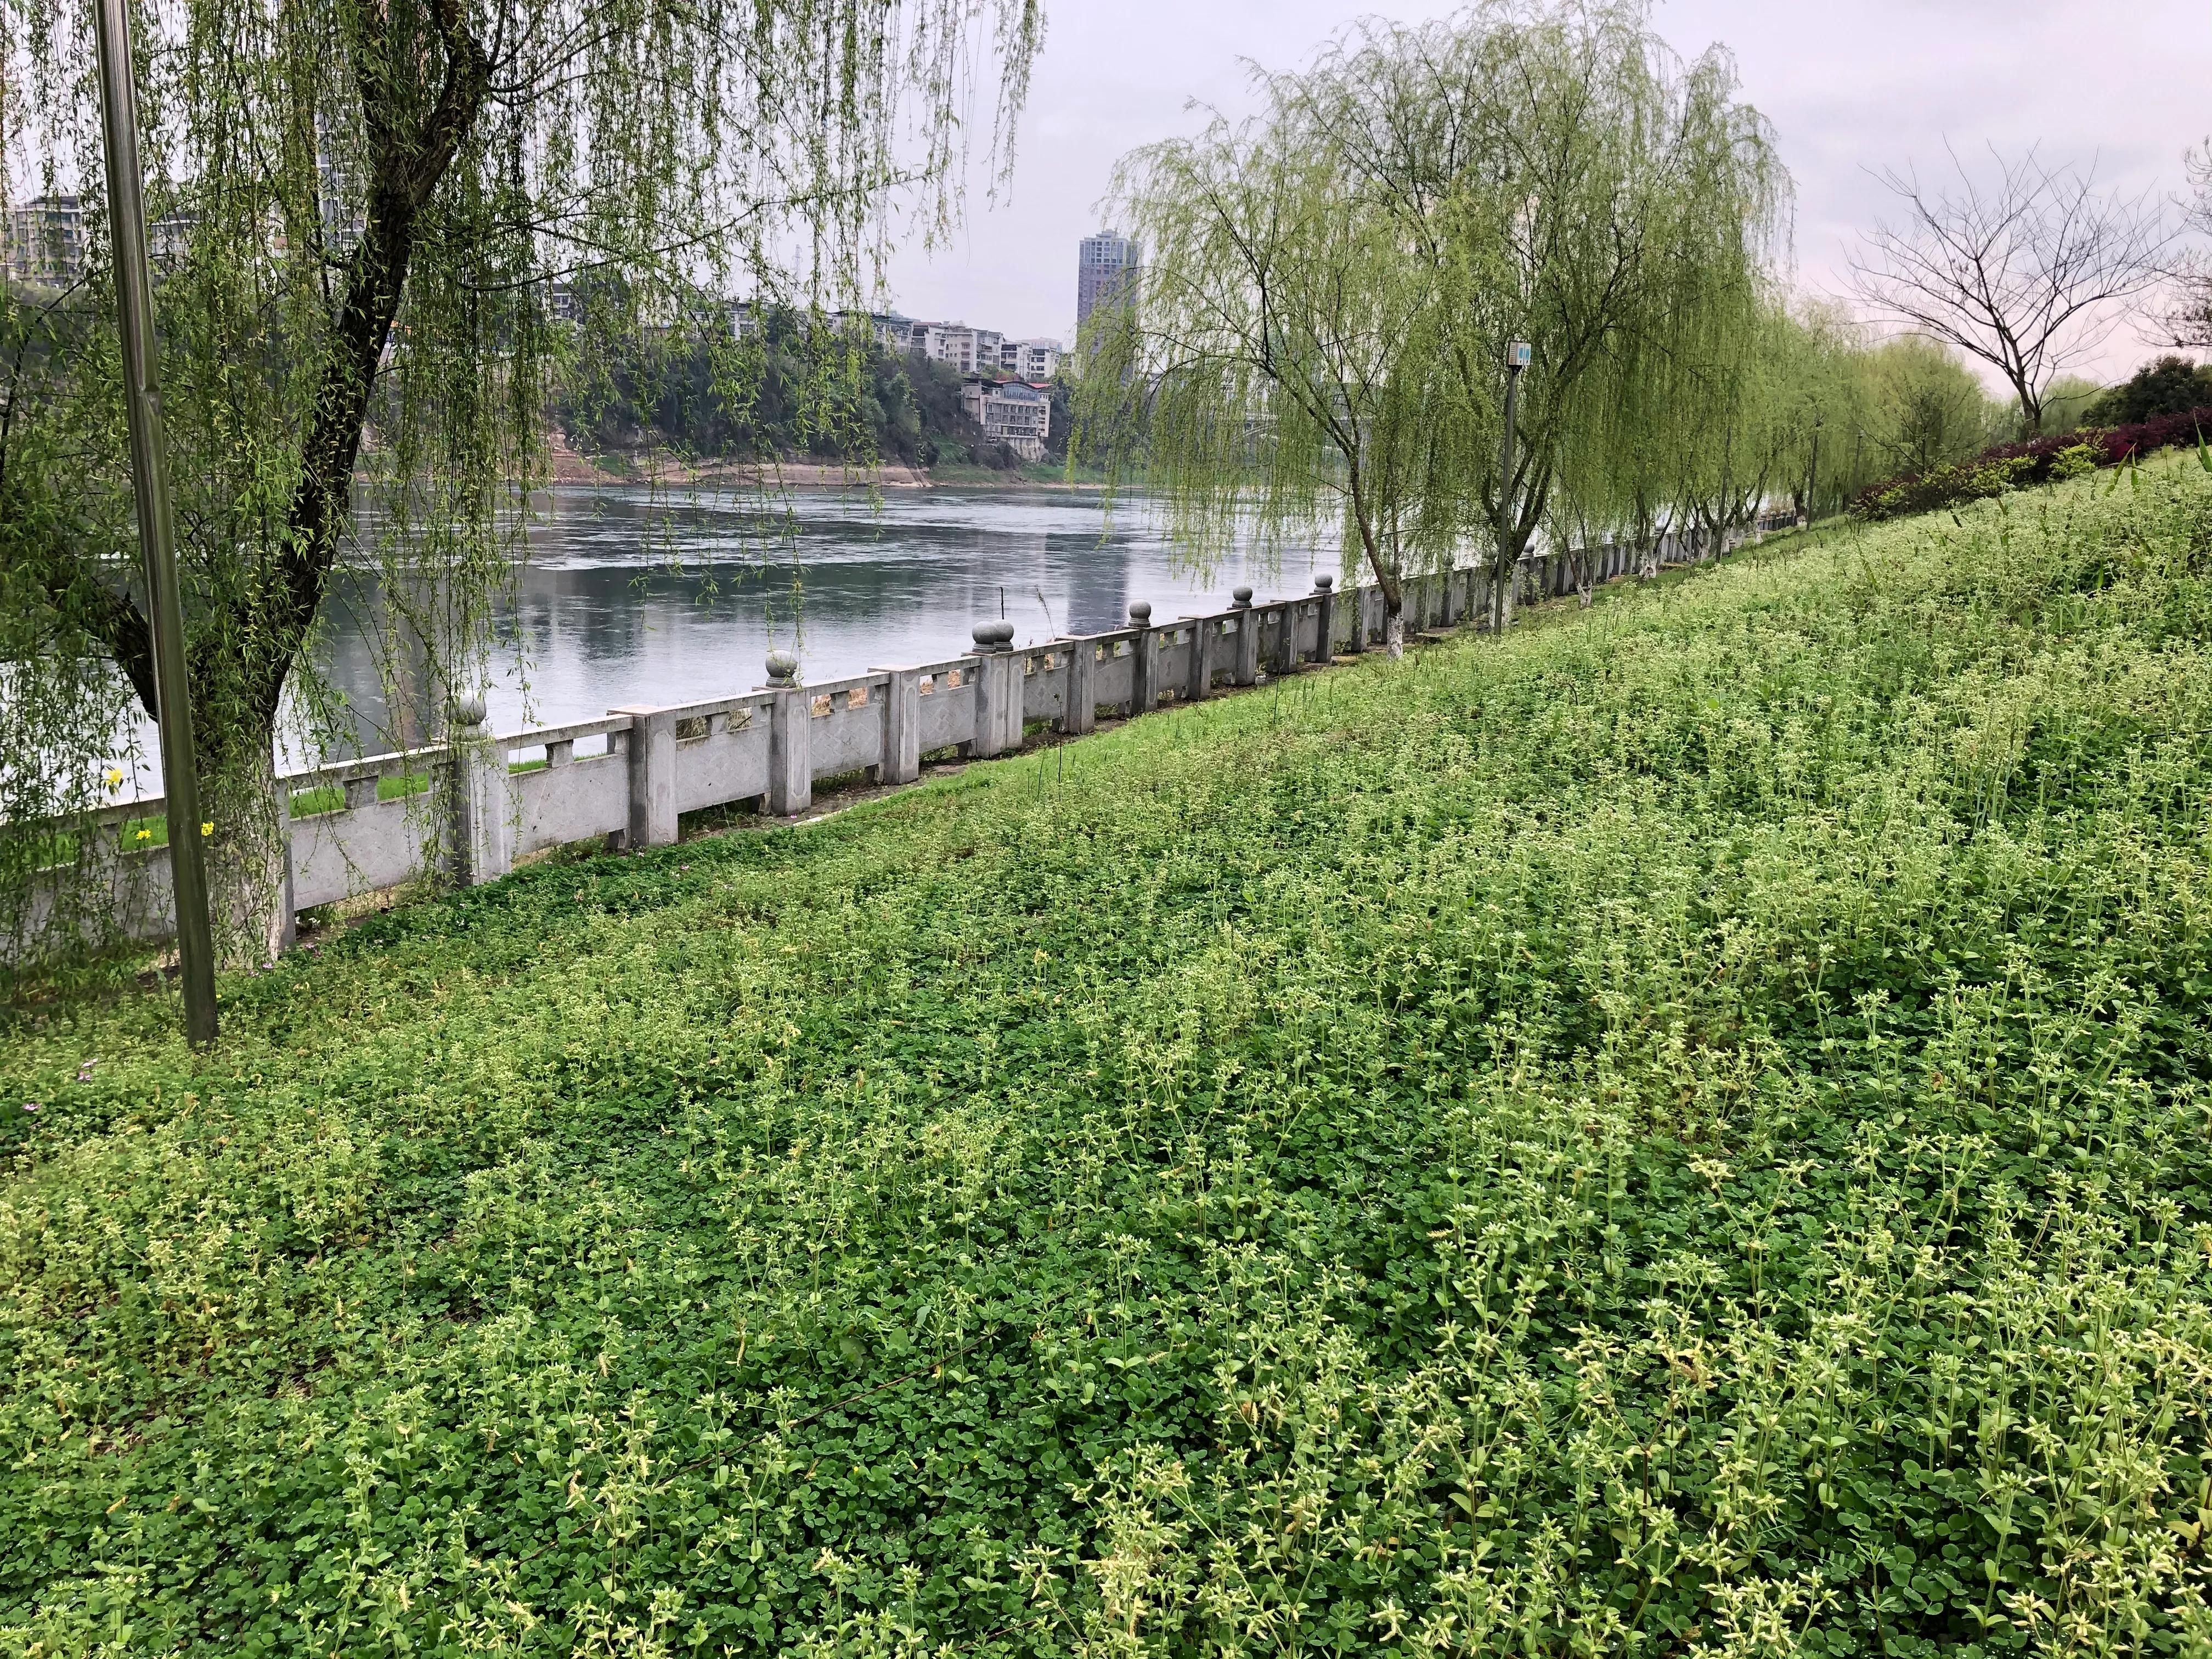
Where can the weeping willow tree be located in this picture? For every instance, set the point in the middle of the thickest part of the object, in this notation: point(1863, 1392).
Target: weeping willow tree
point(373, 224)
point(1329, 290)
point(1262, 377)
point(1792, 386)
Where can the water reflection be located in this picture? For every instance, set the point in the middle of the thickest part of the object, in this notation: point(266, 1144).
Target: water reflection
point(627, 599)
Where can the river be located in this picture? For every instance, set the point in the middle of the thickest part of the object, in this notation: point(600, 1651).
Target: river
point(629, 597)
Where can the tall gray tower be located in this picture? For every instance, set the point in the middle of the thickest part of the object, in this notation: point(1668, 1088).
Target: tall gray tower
point(1107, 262)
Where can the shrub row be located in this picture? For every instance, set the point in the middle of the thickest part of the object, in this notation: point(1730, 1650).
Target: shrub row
point(2036, 460)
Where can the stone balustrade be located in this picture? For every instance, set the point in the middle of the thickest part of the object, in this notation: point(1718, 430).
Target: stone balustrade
point(629, 777)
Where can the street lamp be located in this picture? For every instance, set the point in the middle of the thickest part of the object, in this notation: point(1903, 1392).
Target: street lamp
point(157, 532)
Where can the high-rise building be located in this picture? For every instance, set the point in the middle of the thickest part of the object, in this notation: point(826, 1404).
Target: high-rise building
point(340, 191)
point(1106, 264)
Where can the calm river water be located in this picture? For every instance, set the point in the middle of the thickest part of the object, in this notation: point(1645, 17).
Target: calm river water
point(627, 599)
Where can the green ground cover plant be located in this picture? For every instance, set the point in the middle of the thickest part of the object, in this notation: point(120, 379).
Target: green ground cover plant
point(1682, 1132)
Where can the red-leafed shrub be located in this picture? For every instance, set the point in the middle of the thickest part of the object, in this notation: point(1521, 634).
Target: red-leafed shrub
point(2036, 460)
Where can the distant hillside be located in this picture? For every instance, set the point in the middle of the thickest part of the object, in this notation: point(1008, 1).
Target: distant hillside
point(782, 398)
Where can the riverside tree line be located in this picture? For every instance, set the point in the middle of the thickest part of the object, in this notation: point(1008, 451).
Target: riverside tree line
point(1318, 341)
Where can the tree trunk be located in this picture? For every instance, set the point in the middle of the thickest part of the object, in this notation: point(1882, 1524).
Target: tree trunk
point(238, 668)
point(1504, 568)
point(1394, 631)
point(249, 852)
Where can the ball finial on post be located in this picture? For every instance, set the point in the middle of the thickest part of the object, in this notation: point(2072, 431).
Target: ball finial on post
point(782, 668)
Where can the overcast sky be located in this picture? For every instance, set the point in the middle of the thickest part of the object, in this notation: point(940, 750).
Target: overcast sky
point(1849, 86)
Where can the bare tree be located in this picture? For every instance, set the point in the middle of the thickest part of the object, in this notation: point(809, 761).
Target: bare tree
point(2189, 318)
point(2026, 276)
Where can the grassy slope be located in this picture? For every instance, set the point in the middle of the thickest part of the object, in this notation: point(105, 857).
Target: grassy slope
point(1684, 1130)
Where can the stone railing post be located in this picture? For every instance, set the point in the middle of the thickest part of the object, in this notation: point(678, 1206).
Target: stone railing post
point(288, 921)
point(1286, 638)
point(1247, 671)
point(1204, 631)
point(998, 690)
point(1143, 661)
point(901, 761)
point(790, 738)
point(1017, 671)
point(1078, 711)
point(651, 778)
point(1325, 633)
point(484, 841)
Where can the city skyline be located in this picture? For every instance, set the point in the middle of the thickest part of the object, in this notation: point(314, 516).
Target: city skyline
point(1844, 104)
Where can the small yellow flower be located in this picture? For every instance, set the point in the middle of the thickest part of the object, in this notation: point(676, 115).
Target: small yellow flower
point(145, 834)
point(114, 779)
point(208, 828)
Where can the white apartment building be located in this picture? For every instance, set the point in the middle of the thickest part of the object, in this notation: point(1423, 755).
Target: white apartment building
point(890, 331)
point(45, 241)
point(941, 342)
point(1030, 360)
point(970, 350)
point(1017, 416)
point(893, 331)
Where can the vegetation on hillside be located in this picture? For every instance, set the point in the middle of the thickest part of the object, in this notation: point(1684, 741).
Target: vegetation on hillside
point(2168, 385)
point(2006, 467)
point(793, 388)
point(1681, 1131)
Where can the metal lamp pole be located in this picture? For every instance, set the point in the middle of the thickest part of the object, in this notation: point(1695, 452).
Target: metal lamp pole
point(1813, 483)
point(157, 536)
point(1518, 357)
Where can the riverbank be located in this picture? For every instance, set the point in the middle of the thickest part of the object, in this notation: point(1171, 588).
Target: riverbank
point(1600, 1131)
point(569, 466)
